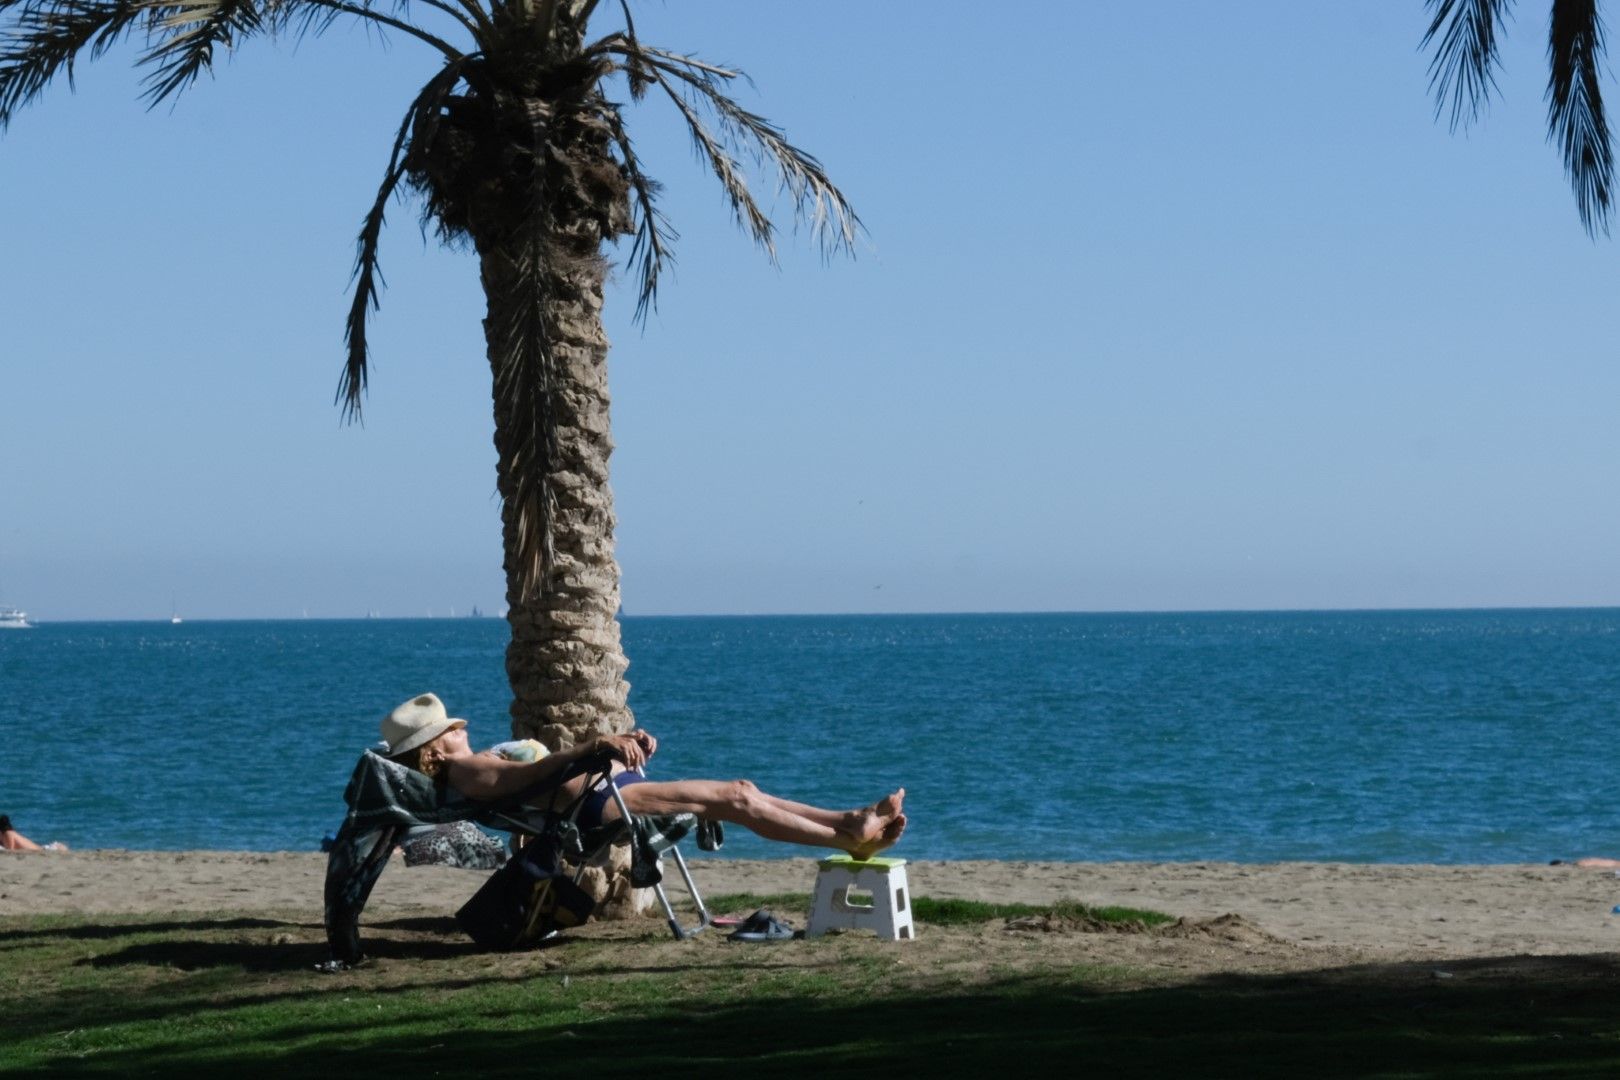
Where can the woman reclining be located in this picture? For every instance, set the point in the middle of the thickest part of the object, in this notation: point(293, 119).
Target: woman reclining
point(422, 735)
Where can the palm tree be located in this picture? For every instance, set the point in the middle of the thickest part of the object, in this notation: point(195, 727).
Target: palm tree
point(514, 148)
point(1462, 73)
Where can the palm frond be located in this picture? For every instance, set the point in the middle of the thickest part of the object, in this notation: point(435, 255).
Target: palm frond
point(472, 18)
point(725, 168)
point(368, 280)
point(651, 250)
point(1575, 116)
point(816, 200)
point(195, 28)
point(1462, 74)
point(46, 36)
point(635, 72)
point(365, 11)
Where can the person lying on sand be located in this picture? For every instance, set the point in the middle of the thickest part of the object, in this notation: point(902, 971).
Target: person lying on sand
point(423, 736)
point(12, 840)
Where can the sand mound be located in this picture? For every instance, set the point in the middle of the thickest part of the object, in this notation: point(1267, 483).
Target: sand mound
point(1232, 929)
point(1052, 922)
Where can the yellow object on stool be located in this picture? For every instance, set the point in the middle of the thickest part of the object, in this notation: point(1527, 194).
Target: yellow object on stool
point(889, 913)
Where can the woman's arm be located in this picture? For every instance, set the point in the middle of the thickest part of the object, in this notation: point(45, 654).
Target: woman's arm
point(484, 777)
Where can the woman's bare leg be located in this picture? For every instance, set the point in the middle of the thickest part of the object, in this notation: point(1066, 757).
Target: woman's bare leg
point(885, 809)
point(859, 832)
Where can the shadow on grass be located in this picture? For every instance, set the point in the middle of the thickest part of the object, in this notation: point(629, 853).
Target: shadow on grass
point(426, 938)
point(418, 924)
point(109, 930)
point(1495, 1017)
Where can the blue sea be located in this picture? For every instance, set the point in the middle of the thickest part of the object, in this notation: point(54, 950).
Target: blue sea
point(1414, 736)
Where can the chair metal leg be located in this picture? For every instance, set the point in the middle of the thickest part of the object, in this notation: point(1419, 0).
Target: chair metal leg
point(681, 932)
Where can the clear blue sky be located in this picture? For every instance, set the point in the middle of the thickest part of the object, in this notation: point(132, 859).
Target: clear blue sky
point(1184, 306)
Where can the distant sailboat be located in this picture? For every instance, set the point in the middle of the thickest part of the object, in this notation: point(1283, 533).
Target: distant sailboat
point(174, 616)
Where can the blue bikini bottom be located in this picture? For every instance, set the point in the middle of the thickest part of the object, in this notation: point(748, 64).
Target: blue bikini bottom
point(590, 813)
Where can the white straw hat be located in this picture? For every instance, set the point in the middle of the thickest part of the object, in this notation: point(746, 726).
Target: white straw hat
point(417, 722)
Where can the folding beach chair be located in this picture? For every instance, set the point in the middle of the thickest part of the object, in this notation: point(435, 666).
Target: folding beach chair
point(537, 892)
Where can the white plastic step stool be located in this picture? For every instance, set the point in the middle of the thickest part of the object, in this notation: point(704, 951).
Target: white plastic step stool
point(889, 913)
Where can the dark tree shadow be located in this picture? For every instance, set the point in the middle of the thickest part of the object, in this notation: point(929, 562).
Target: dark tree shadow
point(1495, 1017)
point(102, 931)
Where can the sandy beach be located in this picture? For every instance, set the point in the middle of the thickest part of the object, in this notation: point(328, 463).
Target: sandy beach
point(1382, 912)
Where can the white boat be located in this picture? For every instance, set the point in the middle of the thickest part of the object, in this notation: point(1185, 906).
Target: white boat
point(14, 619)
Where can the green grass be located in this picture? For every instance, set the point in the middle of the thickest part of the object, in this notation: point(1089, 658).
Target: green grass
point(236, 996)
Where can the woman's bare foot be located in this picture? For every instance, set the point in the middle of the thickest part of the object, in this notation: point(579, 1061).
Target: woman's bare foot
point(870, 827)
point(885, 839)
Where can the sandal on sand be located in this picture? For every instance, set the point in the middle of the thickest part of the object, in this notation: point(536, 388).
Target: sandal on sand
point(762, 926)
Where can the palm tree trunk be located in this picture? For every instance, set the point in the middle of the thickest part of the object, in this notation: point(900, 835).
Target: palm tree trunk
point(565, 663)
point(539, 223)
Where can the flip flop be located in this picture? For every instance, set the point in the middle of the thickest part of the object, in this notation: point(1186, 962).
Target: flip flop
point(762, 926)
point(710, 835)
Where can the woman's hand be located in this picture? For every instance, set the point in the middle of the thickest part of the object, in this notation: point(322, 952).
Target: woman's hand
point(648, 743)
point(627, 748)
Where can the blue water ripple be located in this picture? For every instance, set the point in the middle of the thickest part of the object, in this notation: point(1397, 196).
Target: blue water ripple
point(1362, 736)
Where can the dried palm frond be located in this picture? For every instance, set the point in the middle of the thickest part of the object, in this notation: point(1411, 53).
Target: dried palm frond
point(524, 363)
point(815, 199)
point(694, 86)
point(651, 250)
point(194, 29)
point(635, 71)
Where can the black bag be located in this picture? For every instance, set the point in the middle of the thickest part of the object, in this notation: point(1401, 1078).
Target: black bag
point(525, 901)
